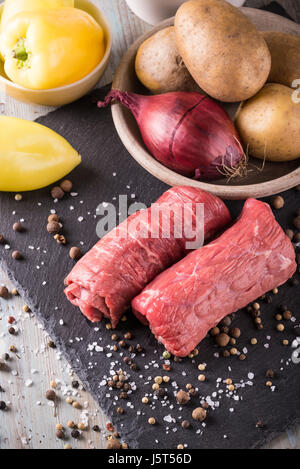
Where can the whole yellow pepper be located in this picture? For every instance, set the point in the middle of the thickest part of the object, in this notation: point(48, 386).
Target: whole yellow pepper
point(32, 156)
point(12, 7)
point(46, 49)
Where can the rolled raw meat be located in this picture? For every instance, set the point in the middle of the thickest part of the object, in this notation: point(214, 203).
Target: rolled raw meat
point(249, 259)
point(122, 263)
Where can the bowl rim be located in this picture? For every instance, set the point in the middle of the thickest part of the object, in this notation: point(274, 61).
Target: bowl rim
point(83, 79)
point(161, 172)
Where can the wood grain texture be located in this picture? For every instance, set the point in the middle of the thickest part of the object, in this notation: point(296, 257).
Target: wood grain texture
point(27, 424)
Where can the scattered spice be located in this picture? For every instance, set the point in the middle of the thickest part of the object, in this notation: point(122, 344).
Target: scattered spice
point(17, 227)
point(53, 218)
point(182, 397)
point(185, 424)
point(199, 414)
point(18, 197)
point(222, 340)
point(4, 292)
point(57, 193)
point(16, 255)
point(75, 253)
point(53, 227)
point(3, 405)
point(214, 331)
point(60, 434)
point(113, 444)
point(235, 332)
point(75, 434)
point(152, 421)
point(66, 185)
point(277, 202)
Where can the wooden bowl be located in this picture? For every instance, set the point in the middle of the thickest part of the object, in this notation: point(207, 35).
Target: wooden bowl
point(275, 178)
point(69, 93)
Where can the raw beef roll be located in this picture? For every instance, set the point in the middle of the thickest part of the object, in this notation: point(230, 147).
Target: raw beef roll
point(122, 263)
point(183, 303)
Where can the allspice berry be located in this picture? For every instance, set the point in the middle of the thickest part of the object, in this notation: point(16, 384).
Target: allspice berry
point(222, 339)
point(75, 253)
point(277, 202)
point(57, 193)
point(182, 397)
point(16, 255)
point(113, 444)
point(17, 227)
point(214, 331)
point(199, 414)
point(296, 222)
point(3, 292)
point(51, 395)
point(53, 227)
point(66, 185)
point(235, 332)
point(53, 217)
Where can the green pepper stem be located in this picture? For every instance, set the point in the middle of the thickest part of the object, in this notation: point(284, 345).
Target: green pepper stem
point(20, 52)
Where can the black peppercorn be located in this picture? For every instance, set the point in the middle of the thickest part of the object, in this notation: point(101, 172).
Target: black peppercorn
point(96, 428)
point(75, 434)
point(2, 405)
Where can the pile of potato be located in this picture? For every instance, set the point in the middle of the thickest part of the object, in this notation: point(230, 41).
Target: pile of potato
point(215, 48)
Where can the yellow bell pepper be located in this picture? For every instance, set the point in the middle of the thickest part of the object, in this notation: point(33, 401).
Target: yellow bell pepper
point(51, 48)
point(12, 7)
point(32, 156)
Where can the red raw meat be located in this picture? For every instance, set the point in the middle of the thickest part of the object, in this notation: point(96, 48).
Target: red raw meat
point(115, 270)
point(251, 258)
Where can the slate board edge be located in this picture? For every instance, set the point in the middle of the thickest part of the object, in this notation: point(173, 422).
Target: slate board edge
point(78, 367)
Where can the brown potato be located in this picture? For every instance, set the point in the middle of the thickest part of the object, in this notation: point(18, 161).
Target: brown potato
point(159, 66)
point(285, 53)
point(222, 49)
point(269, 124)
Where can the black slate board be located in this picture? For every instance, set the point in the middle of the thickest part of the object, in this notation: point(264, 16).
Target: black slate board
point(91, 131)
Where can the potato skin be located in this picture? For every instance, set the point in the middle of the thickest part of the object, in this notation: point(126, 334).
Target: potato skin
point(159, 66)
point(269, 124)
point(285, 53)
point(222, 49)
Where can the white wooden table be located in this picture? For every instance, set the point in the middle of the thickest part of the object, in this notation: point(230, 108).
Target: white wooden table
point(29, 422)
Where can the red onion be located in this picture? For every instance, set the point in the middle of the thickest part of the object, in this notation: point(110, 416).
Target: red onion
point(187, 132)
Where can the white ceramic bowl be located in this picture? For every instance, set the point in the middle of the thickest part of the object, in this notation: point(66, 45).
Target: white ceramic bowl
point(155, 11)
point(69, 93)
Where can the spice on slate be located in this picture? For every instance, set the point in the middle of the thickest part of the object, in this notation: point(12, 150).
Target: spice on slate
point(75, 253)
point(66, 185)
point(57, 192)
point(199, 414)
point(182, 397)
point(270, 373)
point(60, 239)
point(53, 227)
point(152, 421)
point(277, 202)
point(17, 227)
point(222, 340)
point(96, 428)
point(185, 424)
point(235, 332)
point(2, 239)
point(12, 331)
point(113, 444)
point(214, 331)
point(16, 255)
point(296, 222)
point(287, 315)
point(53, 217)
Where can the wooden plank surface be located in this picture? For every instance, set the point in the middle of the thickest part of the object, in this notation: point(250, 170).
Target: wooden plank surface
point(29, 421)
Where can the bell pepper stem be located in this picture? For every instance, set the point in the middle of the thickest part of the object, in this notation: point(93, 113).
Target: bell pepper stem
point(20, 52)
